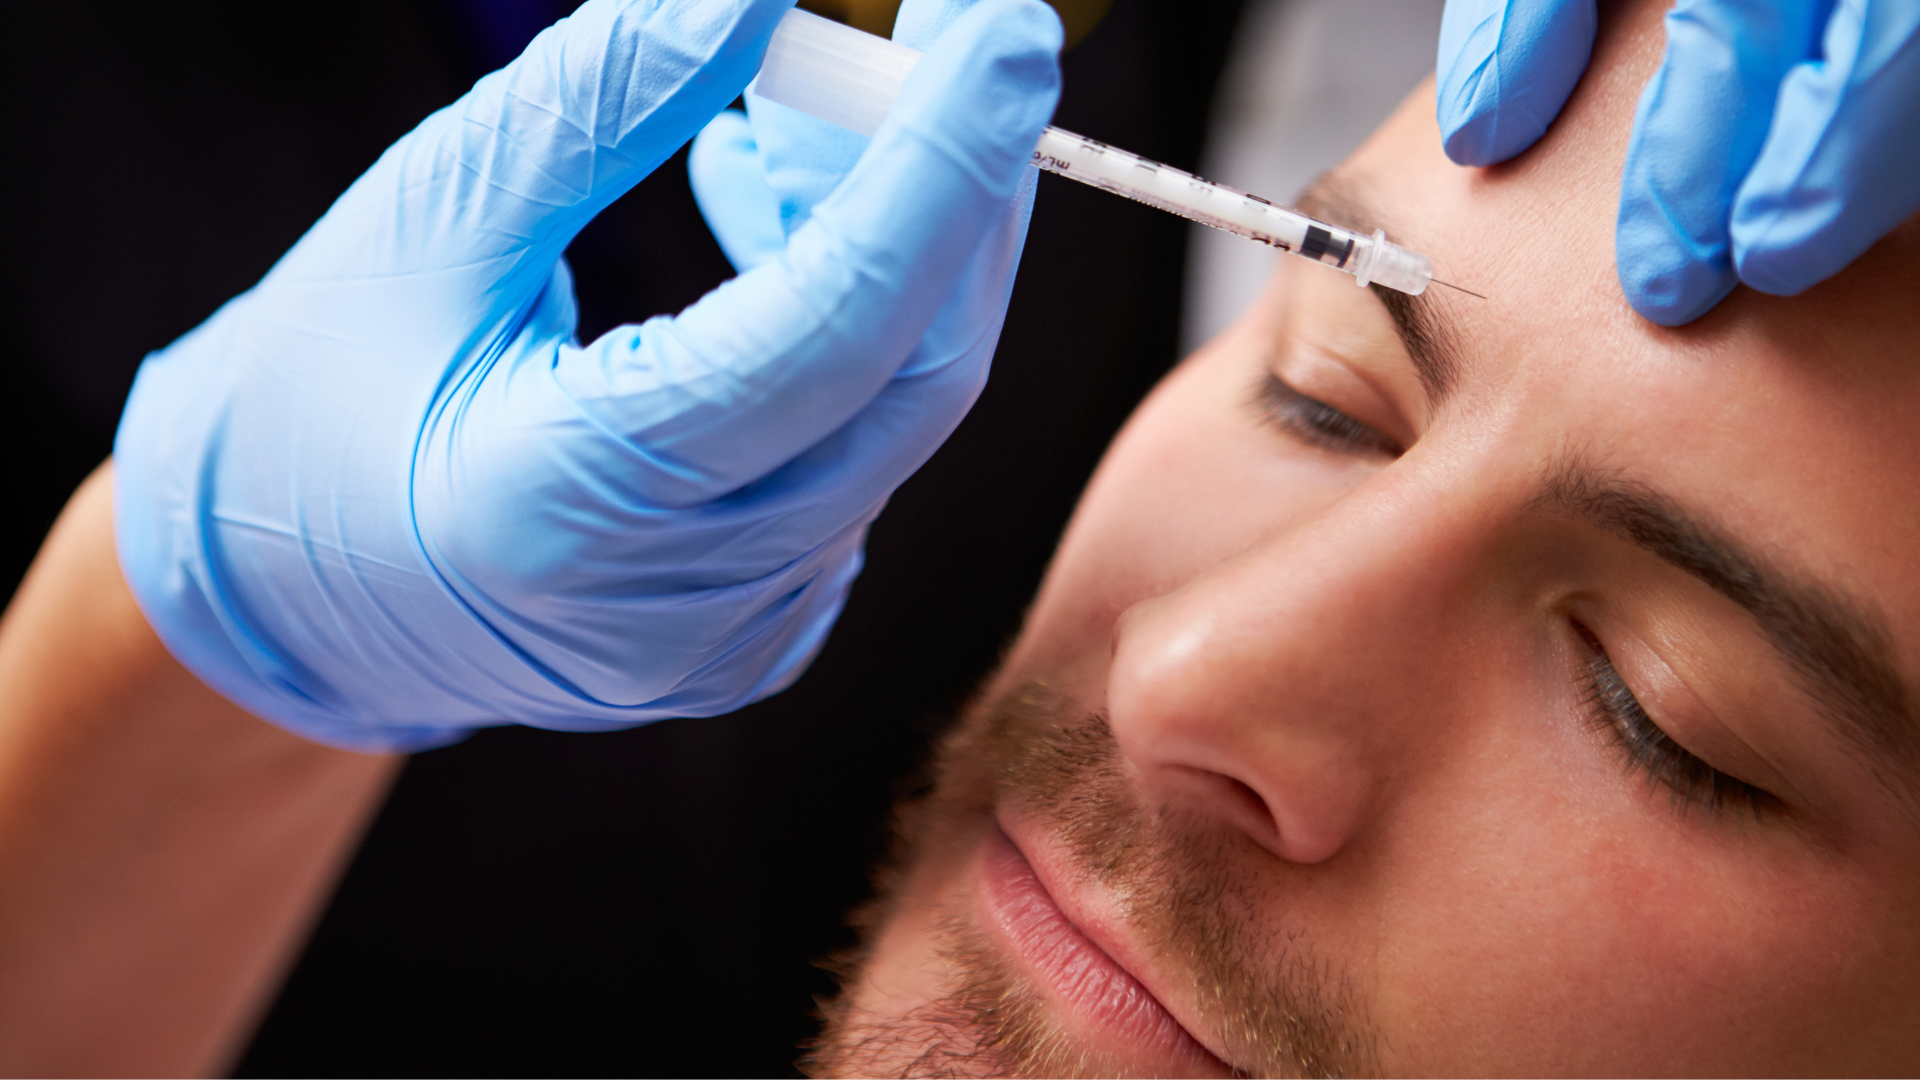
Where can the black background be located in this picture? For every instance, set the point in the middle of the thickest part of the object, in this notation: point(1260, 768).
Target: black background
point(646, 902)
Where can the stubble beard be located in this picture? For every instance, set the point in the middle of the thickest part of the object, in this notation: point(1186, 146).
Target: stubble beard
point(1184, 887)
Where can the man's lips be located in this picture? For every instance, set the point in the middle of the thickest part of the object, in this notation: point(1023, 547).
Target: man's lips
point(1112, 1008)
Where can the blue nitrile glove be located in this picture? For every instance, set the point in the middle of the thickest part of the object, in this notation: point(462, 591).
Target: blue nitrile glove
point(757, 180)
point(383, 497)
point(1778, 140)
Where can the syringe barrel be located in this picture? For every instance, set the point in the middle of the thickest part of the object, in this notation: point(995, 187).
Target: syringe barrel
point(851, 78)
point(1368, 258)
point(1103, 166)
point(834, 72)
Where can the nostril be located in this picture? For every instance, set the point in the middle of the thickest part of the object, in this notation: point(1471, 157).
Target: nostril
point(1276, 826)
point(1252, 813)
point(1250, 796)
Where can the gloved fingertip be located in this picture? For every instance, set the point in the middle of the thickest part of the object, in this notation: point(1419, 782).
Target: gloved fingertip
point(717, 149)
point(1666, 280)
point(1478, 138)
point(1840, 165)
point(729, 127)
point(1467, 106)
point(1667, 305)
point(1504, 70)
point(1788, 269)
point(731, 190)
point(1786, 241)
point(1034, 38)
point(1040, 20)
point(1020, 40)
point(985, 90)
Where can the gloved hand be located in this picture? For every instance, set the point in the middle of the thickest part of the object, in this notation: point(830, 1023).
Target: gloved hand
point(383, 497)
point(1778, 140)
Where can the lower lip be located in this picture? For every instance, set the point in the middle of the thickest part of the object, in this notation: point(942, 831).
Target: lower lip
point(1111, 1003)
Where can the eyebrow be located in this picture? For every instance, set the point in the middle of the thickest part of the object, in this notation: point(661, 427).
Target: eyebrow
point(1838, 647)
point(1428, 339)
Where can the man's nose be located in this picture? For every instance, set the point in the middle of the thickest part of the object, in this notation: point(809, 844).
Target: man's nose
point(1283, 689)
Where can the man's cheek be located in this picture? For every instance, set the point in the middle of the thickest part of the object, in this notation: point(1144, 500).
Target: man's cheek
point(1540, 933)
point(1123, 544)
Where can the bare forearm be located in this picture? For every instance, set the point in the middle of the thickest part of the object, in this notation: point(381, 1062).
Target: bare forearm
point(162, 852)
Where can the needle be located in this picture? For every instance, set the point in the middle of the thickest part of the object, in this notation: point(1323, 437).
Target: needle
point(1457, 288)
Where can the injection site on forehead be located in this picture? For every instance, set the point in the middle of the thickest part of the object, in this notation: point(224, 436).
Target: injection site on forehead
point(1427, 336)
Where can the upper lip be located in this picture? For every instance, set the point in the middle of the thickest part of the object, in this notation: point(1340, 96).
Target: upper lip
point(1104, 929)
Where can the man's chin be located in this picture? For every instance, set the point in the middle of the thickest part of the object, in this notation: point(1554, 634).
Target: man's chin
point(928, 996)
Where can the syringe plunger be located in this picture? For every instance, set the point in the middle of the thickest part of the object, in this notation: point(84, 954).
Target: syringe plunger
point(851, 78)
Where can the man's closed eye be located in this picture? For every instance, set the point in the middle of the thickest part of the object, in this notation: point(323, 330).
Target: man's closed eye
point(1317, 423)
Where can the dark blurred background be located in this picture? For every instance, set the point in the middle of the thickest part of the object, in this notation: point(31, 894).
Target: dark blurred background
point(648, 902)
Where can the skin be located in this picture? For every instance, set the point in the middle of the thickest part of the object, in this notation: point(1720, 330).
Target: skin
point(1359, 679)
point(162, 852)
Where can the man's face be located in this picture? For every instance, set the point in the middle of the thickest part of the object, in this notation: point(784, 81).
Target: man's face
point(1503, 686)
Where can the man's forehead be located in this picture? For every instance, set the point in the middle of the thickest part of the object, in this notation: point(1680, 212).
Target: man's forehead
point(1766, 404)
point(1805, 399)
point(1537, 234)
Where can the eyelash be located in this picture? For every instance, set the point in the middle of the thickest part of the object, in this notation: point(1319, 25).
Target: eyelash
point(1319, 424)
point(1612, 708)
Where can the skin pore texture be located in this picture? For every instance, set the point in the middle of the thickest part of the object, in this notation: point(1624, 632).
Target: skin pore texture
point(1452, 686)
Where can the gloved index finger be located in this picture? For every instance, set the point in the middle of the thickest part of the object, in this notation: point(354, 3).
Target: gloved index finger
point(1505, 68)
point(499, 182)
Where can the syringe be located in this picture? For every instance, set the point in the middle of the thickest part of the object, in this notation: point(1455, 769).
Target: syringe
point(850, 78)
